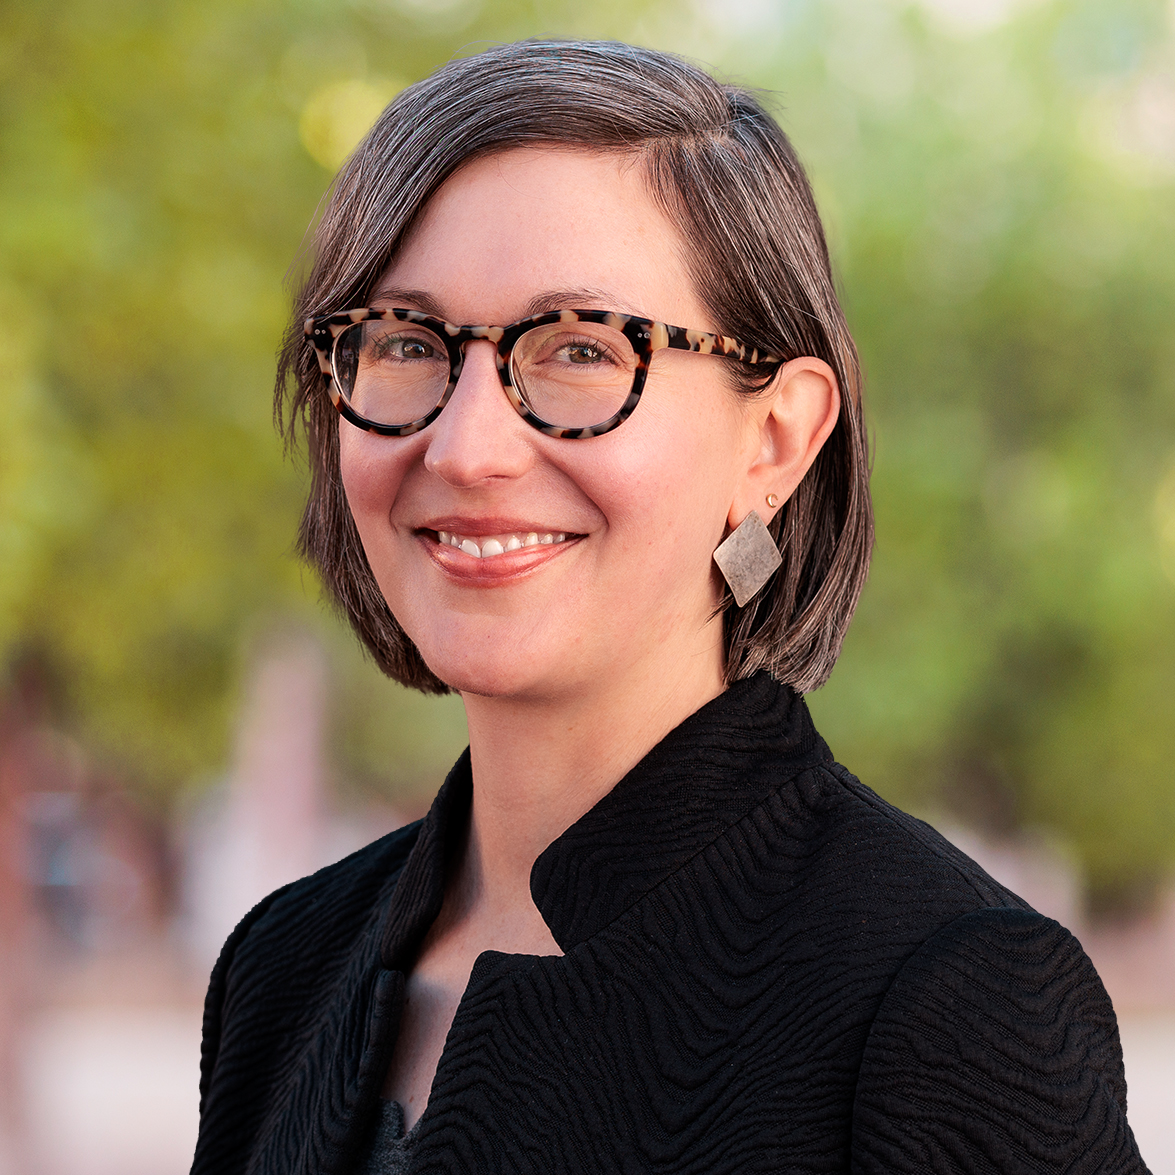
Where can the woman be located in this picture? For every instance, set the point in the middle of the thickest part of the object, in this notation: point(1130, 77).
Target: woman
point(649, 924)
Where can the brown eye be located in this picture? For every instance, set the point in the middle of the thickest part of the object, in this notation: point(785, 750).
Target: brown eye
point(405, 347)
point(583, 353)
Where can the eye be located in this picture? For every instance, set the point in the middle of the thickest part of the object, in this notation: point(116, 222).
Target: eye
point(415, 349)
point(583, 352)
point(408, 348)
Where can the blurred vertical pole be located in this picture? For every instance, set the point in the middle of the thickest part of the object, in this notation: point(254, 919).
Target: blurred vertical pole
point(277, 788)
point(19, 711)
point(272, 826)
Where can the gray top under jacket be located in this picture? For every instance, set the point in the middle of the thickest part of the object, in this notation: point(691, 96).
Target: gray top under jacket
point(388, 1153)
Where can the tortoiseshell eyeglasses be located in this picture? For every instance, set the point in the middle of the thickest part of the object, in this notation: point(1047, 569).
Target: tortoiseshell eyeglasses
point(569, 373)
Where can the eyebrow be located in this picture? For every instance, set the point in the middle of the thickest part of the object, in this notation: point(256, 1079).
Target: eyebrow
point(587, 298)
point(408, 300)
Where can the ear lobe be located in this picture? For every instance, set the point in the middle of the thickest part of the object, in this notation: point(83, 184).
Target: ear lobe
point(795, 416)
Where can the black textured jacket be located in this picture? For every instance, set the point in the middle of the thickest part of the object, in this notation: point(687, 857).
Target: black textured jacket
point(766, 969)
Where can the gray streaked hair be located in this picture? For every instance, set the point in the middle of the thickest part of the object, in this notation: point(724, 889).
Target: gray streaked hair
point(728, 178)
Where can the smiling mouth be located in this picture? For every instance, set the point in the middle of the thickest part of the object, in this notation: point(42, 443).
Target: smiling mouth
point(487, 546)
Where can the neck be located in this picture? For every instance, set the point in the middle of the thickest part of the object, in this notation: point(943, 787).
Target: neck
point(540, 764)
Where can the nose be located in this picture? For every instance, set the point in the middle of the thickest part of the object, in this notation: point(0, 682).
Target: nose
point(478, 435)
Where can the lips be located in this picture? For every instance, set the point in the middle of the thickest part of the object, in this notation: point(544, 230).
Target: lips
point(490, 552)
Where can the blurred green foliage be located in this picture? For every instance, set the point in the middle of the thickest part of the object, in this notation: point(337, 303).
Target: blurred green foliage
point(1004, 214)
point(999, 185)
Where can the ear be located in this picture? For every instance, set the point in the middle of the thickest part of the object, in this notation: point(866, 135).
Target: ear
point(787, 425)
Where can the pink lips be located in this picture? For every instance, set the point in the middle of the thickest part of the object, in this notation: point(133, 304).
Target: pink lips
point(491, 551)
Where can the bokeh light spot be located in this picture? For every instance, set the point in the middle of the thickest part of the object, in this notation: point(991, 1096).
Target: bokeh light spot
point(1165, 522)
point(339, 114)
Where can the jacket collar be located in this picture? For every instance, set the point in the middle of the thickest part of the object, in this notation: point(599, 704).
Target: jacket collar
point(690, 788)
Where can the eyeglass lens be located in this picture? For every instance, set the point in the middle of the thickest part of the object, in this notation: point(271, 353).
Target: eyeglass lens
point(570, 375)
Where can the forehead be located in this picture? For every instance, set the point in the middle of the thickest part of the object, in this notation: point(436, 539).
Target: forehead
point(508, 230)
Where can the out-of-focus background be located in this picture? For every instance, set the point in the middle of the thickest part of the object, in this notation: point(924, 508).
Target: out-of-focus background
point(183, 724)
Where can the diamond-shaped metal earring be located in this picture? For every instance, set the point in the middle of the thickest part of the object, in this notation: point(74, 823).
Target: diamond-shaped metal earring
point(747, 558)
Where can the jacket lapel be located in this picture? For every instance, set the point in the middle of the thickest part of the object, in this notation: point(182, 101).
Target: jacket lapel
point(699, 780)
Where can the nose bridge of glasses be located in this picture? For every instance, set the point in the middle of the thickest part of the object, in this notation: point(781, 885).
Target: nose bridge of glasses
point(478, 354)
point(492, 334)
point(466, 336)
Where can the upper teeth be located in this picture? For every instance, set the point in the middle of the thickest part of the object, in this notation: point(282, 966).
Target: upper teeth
point(498, 543)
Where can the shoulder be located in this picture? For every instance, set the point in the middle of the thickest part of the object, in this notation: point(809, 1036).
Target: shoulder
point(298, 939)
point(323, 910)
point(988, 1042)
point(873, 854)
point(995, 1048)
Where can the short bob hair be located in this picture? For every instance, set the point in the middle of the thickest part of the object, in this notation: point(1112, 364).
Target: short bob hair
point(727, 177)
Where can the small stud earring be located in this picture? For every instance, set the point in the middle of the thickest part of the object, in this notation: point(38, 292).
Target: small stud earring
point(772, 501)
point(747, 558)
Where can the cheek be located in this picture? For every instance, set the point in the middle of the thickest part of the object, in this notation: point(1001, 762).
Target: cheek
point(689, 455)
point(371, 478)
point(668, 485)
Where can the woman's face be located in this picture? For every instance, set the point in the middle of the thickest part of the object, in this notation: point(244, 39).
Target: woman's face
point(630, 592)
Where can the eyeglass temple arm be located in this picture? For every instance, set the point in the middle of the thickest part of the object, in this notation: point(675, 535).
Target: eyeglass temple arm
point(682, 339)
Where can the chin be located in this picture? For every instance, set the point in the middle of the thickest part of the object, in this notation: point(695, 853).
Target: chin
point(511, 655)
point(487, 676)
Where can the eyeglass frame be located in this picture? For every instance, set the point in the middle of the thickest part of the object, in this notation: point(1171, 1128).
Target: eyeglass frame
point(646, 336)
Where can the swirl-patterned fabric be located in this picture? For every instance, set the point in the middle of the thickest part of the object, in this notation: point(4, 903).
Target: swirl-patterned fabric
point(767, 969)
